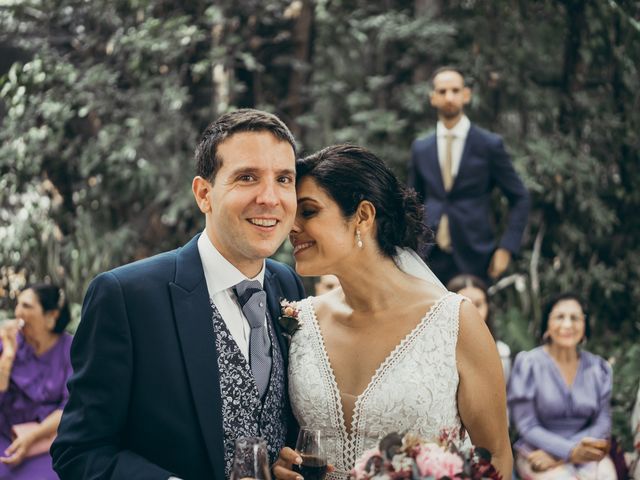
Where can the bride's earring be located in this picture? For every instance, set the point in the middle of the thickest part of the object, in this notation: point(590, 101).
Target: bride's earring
point(358, 239)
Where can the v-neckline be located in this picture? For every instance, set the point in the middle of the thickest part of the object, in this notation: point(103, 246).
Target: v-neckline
point(556, 367)
point(377, 375)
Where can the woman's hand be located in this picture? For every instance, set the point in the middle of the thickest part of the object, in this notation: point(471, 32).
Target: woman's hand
point(9, 337)
point(16, 452)
point(541, 461)
point(589, 450)
point(282, 468)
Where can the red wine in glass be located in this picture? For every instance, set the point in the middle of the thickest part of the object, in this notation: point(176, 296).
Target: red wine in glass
point(311, 447)
point(312, 467)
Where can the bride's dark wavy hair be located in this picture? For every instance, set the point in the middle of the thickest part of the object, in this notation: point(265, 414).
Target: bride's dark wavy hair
point(350, 174)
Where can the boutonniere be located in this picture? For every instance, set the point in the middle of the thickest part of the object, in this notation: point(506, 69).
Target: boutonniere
point(289, 318)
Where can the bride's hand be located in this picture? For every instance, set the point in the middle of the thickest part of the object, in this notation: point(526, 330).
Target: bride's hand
point(282, 467)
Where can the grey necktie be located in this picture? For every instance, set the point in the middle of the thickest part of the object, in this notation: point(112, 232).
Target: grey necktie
point(253, 301)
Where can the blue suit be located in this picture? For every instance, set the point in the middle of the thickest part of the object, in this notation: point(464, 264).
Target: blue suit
point(484, 164)
point(145, 394)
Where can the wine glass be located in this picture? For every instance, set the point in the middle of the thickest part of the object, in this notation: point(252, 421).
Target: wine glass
point(311, 446)
point(250, 459)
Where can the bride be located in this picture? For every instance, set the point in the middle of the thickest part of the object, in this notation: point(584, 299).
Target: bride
point(391, 350)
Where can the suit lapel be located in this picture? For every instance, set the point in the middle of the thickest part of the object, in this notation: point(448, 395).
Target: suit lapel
point(274, 295)
point(465, 155)
point(434, 164)
point(192, 314)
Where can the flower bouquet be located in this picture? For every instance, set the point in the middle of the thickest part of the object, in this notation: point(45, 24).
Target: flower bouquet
point(411, 458)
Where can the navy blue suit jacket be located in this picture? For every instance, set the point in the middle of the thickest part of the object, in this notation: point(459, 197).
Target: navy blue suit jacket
point(484, 164)
point(145, 394)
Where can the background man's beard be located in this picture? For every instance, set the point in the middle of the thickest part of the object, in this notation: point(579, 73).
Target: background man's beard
point(449, 114)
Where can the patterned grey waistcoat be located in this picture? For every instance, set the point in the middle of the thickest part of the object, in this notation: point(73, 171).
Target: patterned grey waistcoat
point(243, 414)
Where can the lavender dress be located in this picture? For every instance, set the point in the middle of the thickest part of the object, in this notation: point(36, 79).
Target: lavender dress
point(551, 416)
point(37, 387)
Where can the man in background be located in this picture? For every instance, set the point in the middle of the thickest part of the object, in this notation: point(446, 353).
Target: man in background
point(454, 171)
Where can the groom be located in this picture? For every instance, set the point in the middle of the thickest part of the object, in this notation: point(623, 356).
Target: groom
point(178, 355)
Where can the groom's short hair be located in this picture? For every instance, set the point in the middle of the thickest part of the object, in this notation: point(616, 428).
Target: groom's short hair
point(244, 120)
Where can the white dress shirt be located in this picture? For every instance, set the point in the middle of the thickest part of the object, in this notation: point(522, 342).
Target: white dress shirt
point(459, 131)
point(221, 276)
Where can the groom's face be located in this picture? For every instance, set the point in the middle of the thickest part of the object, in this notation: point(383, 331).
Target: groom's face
point(252, 198)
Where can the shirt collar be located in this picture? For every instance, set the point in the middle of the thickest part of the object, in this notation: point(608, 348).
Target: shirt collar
point(459, 130)
point(219, 273)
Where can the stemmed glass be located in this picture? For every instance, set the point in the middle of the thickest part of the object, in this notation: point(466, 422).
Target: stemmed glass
point(311, 446)
point(250, 459)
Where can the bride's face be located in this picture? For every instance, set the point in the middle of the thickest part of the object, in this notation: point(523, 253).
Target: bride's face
point(322, 238)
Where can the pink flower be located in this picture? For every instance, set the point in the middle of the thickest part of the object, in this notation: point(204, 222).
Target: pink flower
point(289, 320)
point(435, 461)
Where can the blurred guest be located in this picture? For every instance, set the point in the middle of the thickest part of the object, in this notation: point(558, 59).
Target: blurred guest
point(326, 283)
point(455, 170)
point(34, 368)
point(635, 426)
point(559, 397)
point(475, 290)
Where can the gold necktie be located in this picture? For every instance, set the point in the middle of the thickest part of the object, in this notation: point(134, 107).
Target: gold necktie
point(443, 235)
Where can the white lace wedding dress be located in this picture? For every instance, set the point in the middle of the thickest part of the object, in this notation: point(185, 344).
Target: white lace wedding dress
point(413, 390)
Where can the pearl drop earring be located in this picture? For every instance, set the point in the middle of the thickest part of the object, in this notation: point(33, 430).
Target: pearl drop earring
point(358, 239)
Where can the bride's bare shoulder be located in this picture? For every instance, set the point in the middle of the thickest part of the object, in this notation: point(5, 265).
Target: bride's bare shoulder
point(423, 294)
point(329, 304)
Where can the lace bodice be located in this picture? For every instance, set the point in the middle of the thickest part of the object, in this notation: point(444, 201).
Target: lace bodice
point(413, 389)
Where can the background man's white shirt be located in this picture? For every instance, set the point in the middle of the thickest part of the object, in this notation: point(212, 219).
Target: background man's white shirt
point(460, 132)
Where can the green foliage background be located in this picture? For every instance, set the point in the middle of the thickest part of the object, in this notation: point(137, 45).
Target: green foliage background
point(102, 103)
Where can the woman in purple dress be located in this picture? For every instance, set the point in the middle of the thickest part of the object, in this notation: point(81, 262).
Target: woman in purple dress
point(559, 398)
point(34, 368)
point(634, 469)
